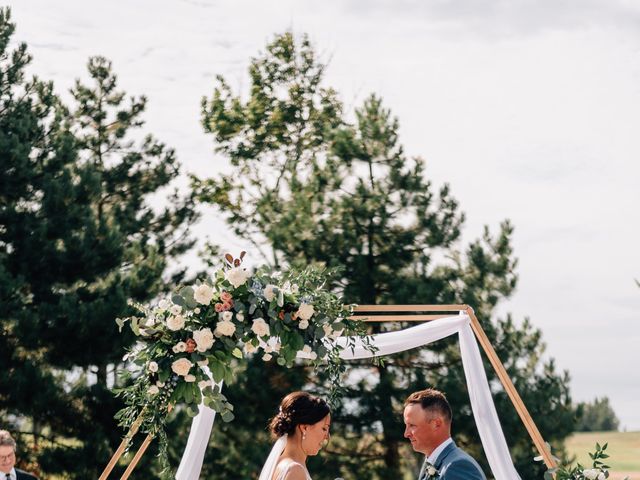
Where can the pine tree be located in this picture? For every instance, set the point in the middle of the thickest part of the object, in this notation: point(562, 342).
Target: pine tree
point(308, 186)
point(79, 237)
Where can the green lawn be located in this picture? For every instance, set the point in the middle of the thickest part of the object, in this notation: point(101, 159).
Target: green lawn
point(624, 449)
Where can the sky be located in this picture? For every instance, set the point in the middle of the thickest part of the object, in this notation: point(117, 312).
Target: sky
point(529, 110)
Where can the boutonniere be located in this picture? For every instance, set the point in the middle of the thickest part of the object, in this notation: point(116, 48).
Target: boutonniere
point(432, 472)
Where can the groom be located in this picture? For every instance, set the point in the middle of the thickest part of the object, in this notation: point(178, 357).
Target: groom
point(427, 419)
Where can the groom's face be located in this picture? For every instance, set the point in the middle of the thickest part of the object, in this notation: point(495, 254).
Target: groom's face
point(420, 428)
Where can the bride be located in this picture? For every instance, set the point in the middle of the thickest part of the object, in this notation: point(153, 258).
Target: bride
point(300, 427)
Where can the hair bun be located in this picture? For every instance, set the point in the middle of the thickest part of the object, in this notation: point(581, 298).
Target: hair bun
point(282, 424)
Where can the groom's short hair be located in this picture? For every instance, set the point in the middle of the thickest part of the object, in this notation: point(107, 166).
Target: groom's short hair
point(431, 400)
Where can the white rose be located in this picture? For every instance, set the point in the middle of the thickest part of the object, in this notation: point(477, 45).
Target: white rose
point(227, 316)
point(175, 309)
point(153, 390)
point(179, 347)
point(204, 339)
point(152, 367)
point(190, 378)
point(203, 363)
point(236, 276)
point(175, 323)
point(431, 470)
point(225, 328)
point(266, 357)
point(249, 347)
point(150, 322)
point(260, 327)
point(240, 316)
point(164, 304)
point(203, 294)
point(160, 384)
point(181, 366)
point(590, 474)
point(305, 311)
point(268, 349)
point(204, 384)
point(269, 292)
point(303, 325)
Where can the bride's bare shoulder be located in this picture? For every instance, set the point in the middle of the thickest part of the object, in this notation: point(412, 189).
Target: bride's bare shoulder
point(291, 471)
point(296, 472)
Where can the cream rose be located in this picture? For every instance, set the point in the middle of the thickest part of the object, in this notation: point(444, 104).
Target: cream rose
point(269, 292)
point(236, 276)
point(303, 325)
point(179, 347)
point(164, 304)
point(190, 378)
point(175, 309)
point(153, 390)
point(175, 323)
point(266, 357)
point(204, 339)
point(305, 311)
point(152, 367)
point(202, 384)
point(249, 348)
point(227, 316)
point(225, 328)
point(260, 327)
point(181, 366)
point(203, 294)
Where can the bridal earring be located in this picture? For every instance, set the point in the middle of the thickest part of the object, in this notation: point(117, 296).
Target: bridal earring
point(304, 435)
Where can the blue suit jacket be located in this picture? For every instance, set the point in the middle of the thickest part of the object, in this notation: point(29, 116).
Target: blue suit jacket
point(453, 463)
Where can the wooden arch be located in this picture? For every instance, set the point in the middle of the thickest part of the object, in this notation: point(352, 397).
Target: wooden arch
point(392, 313)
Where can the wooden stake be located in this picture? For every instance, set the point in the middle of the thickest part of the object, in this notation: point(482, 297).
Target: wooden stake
point(136, 458)
point(123, 445)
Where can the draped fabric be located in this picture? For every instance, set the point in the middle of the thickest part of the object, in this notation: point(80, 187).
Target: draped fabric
point(484, 411)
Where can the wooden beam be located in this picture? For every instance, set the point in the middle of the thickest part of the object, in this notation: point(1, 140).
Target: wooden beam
point(123, 445)
point(528, 422)
point(137, 457)
point(410, 308)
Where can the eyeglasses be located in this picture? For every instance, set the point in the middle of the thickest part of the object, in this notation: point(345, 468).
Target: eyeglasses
point(7, 457)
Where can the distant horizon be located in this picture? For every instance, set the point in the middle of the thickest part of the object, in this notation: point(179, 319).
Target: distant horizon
point(529, 112)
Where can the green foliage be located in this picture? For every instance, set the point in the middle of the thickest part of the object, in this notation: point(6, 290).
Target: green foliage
point(78, 238)
point(598, 471)
point(597, 416)
point(308, 186)
point(192, 344)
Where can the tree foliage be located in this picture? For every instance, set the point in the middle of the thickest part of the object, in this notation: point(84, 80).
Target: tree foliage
point(307, 185)
point(78, 238)
point(596, 416)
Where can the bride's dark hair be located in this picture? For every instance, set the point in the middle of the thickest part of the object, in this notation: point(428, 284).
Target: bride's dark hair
point(298, 408)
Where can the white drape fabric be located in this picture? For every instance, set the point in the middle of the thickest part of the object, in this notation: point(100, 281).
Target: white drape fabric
point(486, 417)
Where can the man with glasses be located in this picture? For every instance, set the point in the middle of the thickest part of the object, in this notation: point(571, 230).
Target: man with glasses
point(8, 459)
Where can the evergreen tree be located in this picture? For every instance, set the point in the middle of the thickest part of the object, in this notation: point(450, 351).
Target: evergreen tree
point(596, 416)
point(308, 186)
point(78, 238)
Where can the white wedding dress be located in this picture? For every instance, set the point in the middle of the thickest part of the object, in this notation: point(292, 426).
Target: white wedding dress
point(286, 465)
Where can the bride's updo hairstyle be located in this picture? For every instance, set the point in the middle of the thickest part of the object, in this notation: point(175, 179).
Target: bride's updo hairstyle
point(298, 408)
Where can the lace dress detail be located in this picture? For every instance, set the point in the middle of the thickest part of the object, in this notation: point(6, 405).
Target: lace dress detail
point(284, 468)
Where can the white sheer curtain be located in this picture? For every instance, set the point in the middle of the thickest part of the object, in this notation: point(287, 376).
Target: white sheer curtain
point(486, 417)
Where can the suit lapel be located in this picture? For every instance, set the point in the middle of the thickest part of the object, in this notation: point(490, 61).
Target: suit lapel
point(444, 454)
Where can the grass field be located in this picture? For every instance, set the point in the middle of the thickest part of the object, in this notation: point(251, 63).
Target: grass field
point(624, 451)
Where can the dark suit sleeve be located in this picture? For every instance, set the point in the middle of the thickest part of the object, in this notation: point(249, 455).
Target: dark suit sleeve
point(463, 470)
point(20, 475)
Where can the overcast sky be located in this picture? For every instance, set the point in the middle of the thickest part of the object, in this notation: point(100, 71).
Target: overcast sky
point(529, 110)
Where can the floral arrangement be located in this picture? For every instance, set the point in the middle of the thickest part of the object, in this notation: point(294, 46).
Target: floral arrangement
point(599, 471)
point(431, 472)
point(192, 342)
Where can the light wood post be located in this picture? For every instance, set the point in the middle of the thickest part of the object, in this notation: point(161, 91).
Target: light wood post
point(528, 422)
point(123, 445)
point(136, 458)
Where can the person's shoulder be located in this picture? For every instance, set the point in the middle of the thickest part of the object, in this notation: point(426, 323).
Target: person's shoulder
point(464, 467)
point(295, 471)
point(22, 475)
